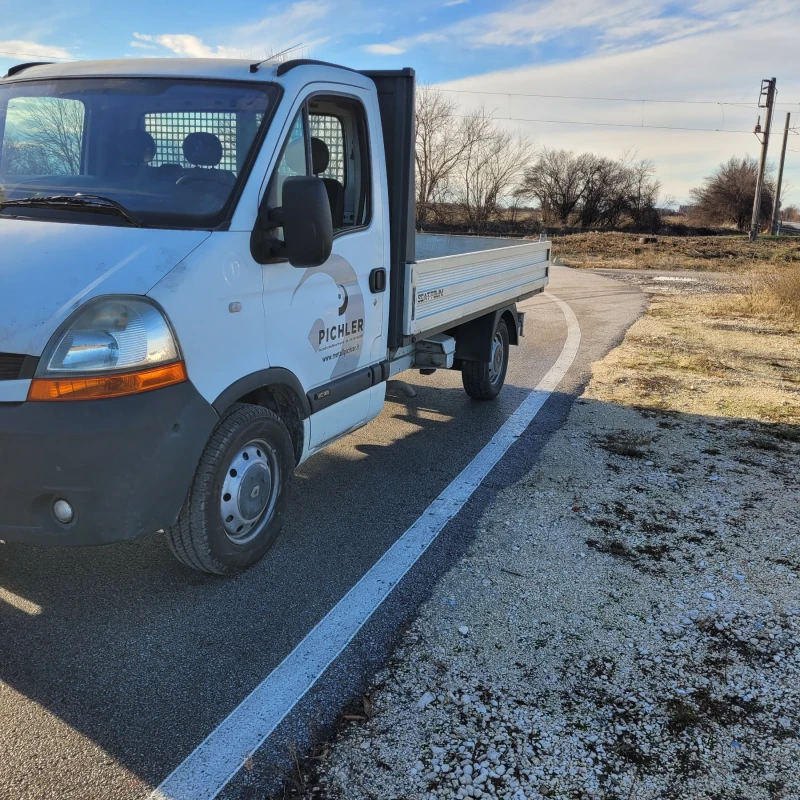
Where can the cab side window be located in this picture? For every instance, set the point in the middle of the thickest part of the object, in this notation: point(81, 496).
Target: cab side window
point(336, 139)
point(292, 162)
point(340, 157)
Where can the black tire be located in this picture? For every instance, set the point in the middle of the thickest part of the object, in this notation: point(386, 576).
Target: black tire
point(257, 441)
point(483, 380)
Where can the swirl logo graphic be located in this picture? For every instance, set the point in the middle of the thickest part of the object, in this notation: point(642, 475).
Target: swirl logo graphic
point(338, 339)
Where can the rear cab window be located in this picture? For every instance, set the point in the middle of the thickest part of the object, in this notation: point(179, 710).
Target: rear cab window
point(330, 130)
point(170, 129)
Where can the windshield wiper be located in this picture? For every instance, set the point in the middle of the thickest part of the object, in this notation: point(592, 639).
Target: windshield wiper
point(78, 202)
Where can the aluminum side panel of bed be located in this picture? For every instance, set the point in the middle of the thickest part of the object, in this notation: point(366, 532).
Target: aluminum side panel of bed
point(444, 291)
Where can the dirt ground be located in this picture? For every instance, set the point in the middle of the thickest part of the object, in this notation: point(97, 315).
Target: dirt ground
point(627, 621)
point(700, 350)
point(700, 253)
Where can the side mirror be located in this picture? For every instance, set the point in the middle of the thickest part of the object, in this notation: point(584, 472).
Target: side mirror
point(305, 217)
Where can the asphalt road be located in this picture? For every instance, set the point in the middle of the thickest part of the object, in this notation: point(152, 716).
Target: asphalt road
point(115, 663)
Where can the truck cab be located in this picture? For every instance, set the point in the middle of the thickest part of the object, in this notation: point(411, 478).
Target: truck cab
point(208, 275)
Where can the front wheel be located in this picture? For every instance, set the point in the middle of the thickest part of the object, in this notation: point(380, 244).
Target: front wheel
point(237, 502)
point(483, 380)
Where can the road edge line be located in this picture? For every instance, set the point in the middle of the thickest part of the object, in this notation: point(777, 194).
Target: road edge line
point(205, 772)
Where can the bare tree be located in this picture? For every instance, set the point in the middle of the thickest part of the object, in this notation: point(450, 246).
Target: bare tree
point(463, 160)
point(642, 195)
point(669, 203)
point(45, 135)
point(605, 199)
point(596, 191)
point(491, 167)
point(20, 158)
point(726, 196)
point(557, 180)
point(790, 213)
point(442, 139)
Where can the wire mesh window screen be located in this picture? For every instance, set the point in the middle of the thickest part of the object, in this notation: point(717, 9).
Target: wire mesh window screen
point(169, 129)
point(329, 129)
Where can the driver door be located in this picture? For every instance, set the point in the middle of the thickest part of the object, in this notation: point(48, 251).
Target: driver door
point(328, 324)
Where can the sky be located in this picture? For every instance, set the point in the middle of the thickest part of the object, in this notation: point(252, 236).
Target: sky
point(539, 65)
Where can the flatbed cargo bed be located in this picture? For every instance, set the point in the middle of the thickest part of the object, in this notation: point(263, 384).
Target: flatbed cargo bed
point(447, 290)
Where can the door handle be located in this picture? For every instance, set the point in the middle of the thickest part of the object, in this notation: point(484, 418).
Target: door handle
point(377, 280)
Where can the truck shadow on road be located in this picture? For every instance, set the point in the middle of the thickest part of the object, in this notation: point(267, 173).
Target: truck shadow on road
point(135, 653)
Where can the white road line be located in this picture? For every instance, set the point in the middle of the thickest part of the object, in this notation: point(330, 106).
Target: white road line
point(207, 770)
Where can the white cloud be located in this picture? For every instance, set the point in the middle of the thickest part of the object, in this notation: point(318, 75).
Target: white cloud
point(611, 24)
point(717, 66)
point(660, 29)
point(294, 25)
point(183, 44)
point(384, 49)
point(296, 17)
point(142, 45)
point(24, 48)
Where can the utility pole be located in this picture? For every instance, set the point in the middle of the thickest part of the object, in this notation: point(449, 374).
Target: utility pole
point(777, 202)
point(768, 92)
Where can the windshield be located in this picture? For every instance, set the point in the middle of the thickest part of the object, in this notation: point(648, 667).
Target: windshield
point(170, 152)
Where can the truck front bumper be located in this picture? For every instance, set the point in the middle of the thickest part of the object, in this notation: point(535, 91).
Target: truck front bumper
point(123, 464)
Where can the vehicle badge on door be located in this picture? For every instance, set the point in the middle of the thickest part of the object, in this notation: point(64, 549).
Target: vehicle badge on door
point(339, 339)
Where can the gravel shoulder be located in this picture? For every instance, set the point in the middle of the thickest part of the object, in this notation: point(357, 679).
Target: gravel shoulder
point(627, 621)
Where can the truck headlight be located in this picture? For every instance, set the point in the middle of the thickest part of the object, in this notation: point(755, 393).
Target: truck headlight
point(109, 347)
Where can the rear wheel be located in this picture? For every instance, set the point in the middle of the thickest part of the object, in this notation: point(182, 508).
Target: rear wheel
point(483, 380)
point(237, 502)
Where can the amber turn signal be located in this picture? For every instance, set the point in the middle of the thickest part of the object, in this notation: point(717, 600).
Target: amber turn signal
point(104, 386)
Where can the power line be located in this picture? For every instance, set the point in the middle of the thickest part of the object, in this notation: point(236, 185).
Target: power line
point(610, 99)
point(607, 124)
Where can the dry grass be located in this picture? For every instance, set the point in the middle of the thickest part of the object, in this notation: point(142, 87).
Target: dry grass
point(730, 350)
point(699, 253)
point(773, 296)
point(722, 354)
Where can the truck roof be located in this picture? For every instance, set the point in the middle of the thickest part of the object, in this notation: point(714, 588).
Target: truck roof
point(212, 68)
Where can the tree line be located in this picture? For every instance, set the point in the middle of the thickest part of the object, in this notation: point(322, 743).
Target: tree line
point(471, 171)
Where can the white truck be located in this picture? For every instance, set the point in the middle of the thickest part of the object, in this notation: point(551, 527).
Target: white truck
point(207, 275)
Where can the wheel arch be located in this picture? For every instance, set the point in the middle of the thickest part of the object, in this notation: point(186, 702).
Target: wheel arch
point(277, 389)
point(474, 338)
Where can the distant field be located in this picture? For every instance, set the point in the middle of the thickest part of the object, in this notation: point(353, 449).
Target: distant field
point(700, 253)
